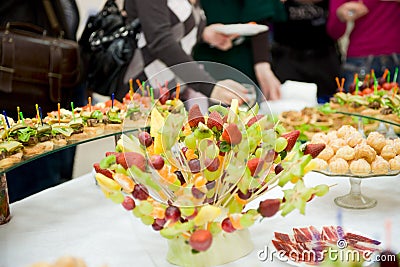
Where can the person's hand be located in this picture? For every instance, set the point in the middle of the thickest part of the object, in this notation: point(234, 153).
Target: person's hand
point(226, 90)
point(270, 85)
point(217, 39)
point(351, 11)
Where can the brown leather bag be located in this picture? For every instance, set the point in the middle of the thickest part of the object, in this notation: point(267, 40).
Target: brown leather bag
point(35, 68)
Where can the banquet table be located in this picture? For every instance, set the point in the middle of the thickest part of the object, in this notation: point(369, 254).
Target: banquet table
point(75, 219)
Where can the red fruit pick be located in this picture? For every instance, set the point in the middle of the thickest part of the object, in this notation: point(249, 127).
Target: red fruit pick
point(201, 240)
point(254, 119)
point(253, 164)
point(314, 149)
point(291, 138)
point(269, 207)
point(215, 120)
point(195, 116)
point(105, 172)
point(232, 134)
point(127, 159)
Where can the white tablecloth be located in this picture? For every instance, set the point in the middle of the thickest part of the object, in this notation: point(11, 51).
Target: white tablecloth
point(75, 219)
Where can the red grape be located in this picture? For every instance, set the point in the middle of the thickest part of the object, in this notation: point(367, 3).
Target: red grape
point(278, 169)
point(197, 193)
point(227, 226)
point(211, 164)
point(158, 224)
point(157, 162)
point(269, 207)
point(140, 192)
point(128, 203)
point(172, 214)
point(194, 165)
point(145, 139)
point(244, 196)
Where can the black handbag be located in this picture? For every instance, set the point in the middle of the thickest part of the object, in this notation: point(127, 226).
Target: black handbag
point(107, 45)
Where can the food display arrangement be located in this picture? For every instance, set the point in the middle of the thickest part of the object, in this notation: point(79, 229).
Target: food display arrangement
point(193, 185)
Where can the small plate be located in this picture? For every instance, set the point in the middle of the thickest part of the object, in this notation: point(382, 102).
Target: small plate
point(244, 29)
point(351, 175)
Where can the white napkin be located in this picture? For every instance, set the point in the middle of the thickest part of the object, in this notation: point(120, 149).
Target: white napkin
point(294, 96)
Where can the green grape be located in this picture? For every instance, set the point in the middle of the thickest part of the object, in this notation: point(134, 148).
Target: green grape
point(145, 207)
point(246, 220)
point(117, 197)
point(321, 190)
point(190, 141)
point(210, 193)
point(258, 152)
point(215, 228)
point(136, 212)
point(280, 144)
point(211, 176)
point(235, 207)
point(120, 169)
point(278, 159)
point(187, 211)
point(252, 212)
point(147, 220)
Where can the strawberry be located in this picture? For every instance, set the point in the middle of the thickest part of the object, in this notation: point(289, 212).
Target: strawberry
point(291, 137)
point(195, 116)
point(254, 166)
point(127, 159)
point(254, 119)
point(215, 120)
point(269, 207)
point(314, 149)
point(225, 119)
point(112, 153)
point(232, 134)
point(105, 172)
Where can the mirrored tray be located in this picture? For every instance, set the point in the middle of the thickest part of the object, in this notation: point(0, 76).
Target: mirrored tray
point(355, 199)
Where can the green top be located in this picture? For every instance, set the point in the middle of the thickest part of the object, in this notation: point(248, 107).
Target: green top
point(236, 11)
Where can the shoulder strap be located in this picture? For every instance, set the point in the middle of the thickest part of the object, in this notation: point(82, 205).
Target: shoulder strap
point(51, 15)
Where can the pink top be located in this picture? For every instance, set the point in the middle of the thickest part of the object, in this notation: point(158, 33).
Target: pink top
point(376, 33)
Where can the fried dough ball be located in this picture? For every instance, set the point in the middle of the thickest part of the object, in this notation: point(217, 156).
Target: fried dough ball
point(365, 152)
point(395, 163)
point(376, 140)
point(339, 166)
point(330, 136)
point(337, 143)
point(326, 154)
point(396, 144)
point(319, 138)
point(345, 131)
point(360, 166)
point(388, 152)
point(380, 166)
point(354, 139)
point(320, 164)
point(346, 153)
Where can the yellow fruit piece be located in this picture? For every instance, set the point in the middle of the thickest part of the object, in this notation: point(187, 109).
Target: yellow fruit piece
point(239, 200)
point(186, 130)
point(107, 183)
point(199, 180)
point(295, 179)
point(158, 146)
point(156, 122)
point(158, 212)
point(207, 214)
point(190, 154)
point(312, 165)
point(125, 182)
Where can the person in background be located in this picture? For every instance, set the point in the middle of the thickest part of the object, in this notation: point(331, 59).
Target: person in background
point(374, 42)
point(302, 49)
point(56, 168)
point(250, 55)
point(170, 29)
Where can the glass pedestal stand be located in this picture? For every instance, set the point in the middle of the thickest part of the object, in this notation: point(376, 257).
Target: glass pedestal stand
point(355, 199)
point(4, 204)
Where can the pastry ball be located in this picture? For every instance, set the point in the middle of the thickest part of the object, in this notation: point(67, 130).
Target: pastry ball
point(380, 166)
point(319, 138)
point(354, 139)
point(346, 152)
point(330, 136)
point(396, 144)
point(395, 163)
point(345, 131)
point(360, 166)
point(326, 154)
point(320, 164)
point(337, 143)
point(388, 152)
point(339, 166)
point(376, 140)
point(365, 152)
